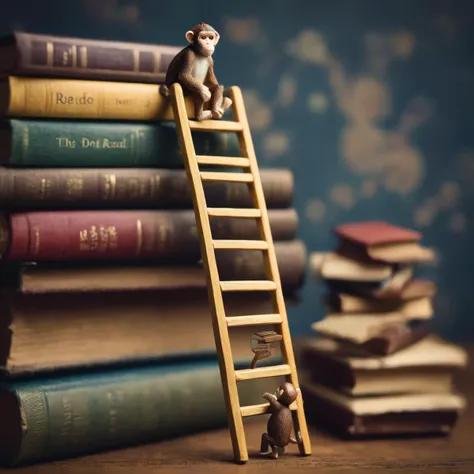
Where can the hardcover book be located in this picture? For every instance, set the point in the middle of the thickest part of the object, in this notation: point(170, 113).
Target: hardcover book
point(80, 99)
point(380, 334)
point(412, 414)
point(125, 188)
point(381, 241)
point(29, 54)
point(45, 419)
point(119, 234)
point(52, 331)
point(426, 366)
point(130, 275)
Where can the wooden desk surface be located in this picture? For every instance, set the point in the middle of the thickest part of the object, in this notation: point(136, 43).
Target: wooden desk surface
point(212, 452)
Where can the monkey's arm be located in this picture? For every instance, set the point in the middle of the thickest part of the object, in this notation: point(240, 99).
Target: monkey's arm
point(211, 80)
point(185, 75)
point(274, 403)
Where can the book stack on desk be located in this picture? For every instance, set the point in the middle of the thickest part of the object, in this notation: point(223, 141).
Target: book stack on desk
point(375, 367)
point(105, 334)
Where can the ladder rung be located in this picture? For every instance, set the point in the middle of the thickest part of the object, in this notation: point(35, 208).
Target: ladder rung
point(253, 320)
point(231, 212)
point(262, 372)
point(261, 409)
point(217, 176)
point(248, 285)
point(240, 244)
point(223, 161)
point(216, 125)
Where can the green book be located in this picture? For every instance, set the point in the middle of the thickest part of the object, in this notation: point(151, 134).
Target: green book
point(66, 416)
point(67, 143)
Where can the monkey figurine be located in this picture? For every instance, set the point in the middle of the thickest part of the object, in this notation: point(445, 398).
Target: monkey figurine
point(279, 424)
point(193, 68)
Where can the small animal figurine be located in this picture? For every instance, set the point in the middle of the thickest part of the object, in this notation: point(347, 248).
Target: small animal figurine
point(279, 424)
point(193, 68)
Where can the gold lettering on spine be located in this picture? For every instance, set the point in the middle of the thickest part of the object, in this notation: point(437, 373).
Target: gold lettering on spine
point(74, 55)
point(136, 60)
point(132, 147)
point(139, 236)
point(83, 57)
point(49, 53)
point(154, 185)
point(156, 62)
point(45, 185)
point(74, 187)
point(138, 144)
point(25, 141)
point(110, 186)
point(37, 241)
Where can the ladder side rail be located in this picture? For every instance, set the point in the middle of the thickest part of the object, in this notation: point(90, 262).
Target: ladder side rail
point(271, 264)
point(221, 335)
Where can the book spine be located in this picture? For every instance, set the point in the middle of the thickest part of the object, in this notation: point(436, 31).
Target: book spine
point(86, 58)
point(232, 265)
point(78, 99)
point(92, 235)
point(44, 188)
point(75, 418)
point(53, 143)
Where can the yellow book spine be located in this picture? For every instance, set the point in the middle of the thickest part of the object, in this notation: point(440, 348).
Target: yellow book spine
point(97, 100)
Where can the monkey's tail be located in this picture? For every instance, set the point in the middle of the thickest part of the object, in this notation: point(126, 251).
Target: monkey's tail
point(164, 90)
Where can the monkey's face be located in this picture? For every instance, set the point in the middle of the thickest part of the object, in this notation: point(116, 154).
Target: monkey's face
point(207, 41)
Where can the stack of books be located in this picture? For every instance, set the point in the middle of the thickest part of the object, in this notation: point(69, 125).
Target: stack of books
point(376, 367)
point(106, 337)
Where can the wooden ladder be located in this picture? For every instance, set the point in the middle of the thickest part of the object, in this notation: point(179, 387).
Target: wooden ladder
point(216, 288)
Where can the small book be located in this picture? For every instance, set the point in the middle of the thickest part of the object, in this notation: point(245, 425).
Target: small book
point(426, 366)
point(416, 308)
point(330, 265)
point(382, 242)
point(411, 289)
point(384, 415)
point(377, 334)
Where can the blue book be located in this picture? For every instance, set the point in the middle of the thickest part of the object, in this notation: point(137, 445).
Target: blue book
point(69, 415)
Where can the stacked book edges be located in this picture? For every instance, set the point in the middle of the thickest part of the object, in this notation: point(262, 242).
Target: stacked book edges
point(105, 330)
point(376, 367)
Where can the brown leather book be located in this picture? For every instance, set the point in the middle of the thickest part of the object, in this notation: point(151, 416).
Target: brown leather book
point(45, 332)
point(379, 333)
point(24, 53)
point(412, 289)
point(347, 303)
point(381, 241)
point(381, 416)
point(64, 277)
point(425, 366)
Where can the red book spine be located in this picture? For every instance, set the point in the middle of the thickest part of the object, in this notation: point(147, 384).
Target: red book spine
point(122, 234)
point(84, 235)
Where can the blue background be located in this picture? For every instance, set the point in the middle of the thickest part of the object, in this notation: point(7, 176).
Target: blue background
point(370, 103)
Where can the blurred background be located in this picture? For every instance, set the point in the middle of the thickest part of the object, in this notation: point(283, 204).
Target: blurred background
point(369, 103)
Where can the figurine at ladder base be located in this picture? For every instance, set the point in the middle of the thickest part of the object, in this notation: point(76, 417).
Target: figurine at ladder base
point(279, 424)
point(193, 69)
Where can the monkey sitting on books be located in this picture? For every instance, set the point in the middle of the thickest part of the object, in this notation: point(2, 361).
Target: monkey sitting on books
point(193, 69)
